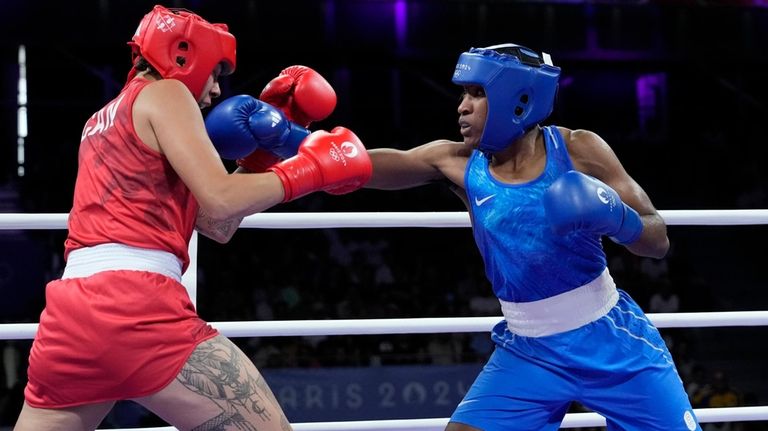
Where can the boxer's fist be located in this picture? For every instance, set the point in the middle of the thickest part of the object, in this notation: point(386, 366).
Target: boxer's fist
point(240, 124)
point(302, 94)
point(576, 201)
point(335, 162)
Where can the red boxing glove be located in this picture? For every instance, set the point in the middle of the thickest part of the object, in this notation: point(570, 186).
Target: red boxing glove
point(258, 161)
point(335, 162)
point(302, 94)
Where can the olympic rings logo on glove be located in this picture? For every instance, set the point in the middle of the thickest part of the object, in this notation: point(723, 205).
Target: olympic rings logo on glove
point(349, 149)
point(337, 154)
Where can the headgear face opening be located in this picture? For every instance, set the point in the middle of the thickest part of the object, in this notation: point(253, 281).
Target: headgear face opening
point(181, 45)
point(520, 86)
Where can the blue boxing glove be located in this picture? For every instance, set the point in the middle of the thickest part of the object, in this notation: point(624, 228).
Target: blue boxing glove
point(241, 124)
point(576, 201)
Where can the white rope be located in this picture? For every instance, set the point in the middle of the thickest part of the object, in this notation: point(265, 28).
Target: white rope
point(427, 325)
point(572, 420)
point(15, 221)
point(12, 221)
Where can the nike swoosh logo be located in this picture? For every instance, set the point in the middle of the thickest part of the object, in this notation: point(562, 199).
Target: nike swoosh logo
point(479, 202)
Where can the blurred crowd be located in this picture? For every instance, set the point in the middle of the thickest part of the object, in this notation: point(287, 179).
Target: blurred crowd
point(267, 275)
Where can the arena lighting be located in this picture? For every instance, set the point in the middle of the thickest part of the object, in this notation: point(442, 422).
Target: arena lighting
point(21, 111)
point(703, 3)
point(401, 21)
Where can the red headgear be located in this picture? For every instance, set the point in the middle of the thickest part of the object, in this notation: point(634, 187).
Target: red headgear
point(181, 45)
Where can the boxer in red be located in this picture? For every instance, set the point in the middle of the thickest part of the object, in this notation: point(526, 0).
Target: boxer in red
point(119, 325)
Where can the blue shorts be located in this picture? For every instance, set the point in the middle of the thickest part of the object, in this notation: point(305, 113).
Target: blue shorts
point(618, 366)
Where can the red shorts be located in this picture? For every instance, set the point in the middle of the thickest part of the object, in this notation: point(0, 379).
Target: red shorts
point(111, 336)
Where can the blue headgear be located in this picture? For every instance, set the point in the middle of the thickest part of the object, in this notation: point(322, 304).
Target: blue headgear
point(520, 86)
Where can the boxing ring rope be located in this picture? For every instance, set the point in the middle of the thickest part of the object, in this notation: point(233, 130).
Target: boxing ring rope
point(422, 325)
point(572, 420)
point(10, 221)
point(15, 221)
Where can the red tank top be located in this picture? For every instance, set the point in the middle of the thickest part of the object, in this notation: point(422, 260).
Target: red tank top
point(126, 192)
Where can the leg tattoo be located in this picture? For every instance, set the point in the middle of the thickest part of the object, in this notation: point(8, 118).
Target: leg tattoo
point(217, 370)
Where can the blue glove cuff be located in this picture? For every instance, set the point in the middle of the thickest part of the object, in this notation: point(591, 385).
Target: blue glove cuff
point(290, 147)
point(631, 227)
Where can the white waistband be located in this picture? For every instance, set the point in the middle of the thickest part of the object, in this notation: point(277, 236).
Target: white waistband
point(563, 312)
point(87, 261)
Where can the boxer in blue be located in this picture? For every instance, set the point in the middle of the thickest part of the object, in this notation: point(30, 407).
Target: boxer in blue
point(541, 199)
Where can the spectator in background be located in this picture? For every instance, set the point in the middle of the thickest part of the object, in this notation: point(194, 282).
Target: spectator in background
point(664, 299)
point(717, 394)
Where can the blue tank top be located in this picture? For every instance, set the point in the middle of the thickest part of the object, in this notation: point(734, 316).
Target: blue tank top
point(524, 260)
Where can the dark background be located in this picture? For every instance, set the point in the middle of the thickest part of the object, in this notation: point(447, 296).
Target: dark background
point(677, 88)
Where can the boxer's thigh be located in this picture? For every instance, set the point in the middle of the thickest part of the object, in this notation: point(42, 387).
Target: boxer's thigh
point(218, 385)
